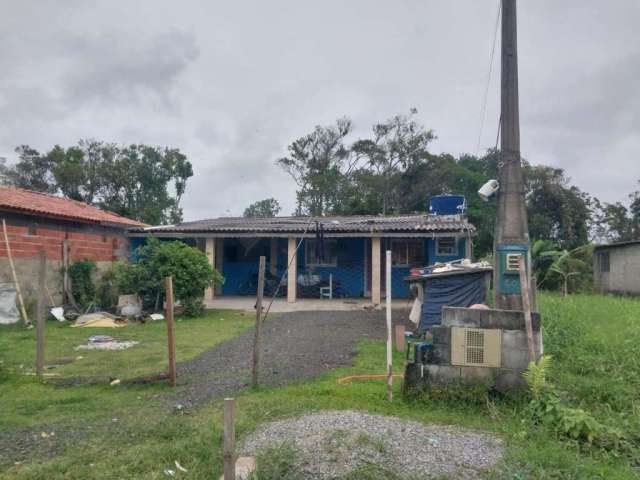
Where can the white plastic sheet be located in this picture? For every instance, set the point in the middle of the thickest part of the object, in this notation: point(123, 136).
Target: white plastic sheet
point(8, 310)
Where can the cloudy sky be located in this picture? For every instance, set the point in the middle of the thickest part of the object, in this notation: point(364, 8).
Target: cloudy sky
point(231, 83)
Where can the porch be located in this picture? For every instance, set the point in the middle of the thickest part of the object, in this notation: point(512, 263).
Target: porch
point(281, 305)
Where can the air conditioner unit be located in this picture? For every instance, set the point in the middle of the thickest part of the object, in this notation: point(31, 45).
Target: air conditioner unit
point(476, 347)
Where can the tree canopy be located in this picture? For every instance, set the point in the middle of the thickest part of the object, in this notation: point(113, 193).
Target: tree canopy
point(269, 207)
point(392, 171)
point(141, 182)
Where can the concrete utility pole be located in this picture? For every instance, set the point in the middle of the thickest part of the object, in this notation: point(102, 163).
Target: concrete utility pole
point(512, 231)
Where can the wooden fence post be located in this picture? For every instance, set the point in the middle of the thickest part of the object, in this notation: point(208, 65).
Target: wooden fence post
point(23, 311)
point(400, 341)
point(168, 285)
point(389, 328)
point(526, 308)
point(256, 339)
point(40, 315)
point(229, 448)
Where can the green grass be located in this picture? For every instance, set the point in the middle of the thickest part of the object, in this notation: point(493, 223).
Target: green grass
point(32, 403)
point(594, 341)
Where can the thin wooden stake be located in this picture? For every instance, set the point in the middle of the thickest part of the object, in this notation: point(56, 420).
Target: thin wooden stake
point(400, 341)
point(229, 448)
point(168, 286)
point(526, 308)
point(389, 328)
point(23, 311)
point(40, 317)
point(256, 340)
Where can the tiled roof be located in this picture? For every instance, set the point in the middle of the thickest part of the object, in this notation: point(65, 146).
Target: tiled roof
point(344, 224)
point(36, 203)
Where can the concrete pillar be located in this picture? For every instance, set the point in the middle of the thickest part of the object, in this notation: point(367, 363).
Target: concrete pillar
point(273, 257)
point(210, 250)
point(292, 274)
point(375, 271)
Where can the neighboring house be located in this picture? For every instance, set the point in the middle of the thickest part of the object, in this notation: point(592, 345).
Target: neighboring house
point(37, 221)
point(616, 267)
point(354, 246)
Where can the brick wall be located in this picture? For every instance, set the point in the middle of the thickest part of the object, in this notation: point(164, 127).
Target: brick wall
point(26, 242)
point(27, 235)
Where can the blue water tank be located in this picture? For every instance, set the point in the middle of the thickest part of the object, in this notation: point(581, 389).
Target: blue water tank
point(448, 205)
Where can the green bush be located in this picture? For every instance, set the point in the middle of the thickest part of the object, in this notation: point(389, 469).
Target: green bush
point(107, 291)
point(188, 266)
point(82, 285)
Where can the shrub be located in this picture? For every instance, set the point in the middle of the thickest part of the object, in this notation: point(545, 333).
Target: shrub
point(107, 291)
point(546, 408)
point(81, 276)
point(188, 266)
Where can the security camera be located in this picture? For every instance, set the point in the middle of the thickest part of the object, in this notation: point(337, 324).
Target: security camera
point(488, 189)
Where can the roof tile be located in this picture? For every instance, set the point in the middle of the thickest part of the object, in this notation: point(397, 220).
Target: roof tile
point(38, 203)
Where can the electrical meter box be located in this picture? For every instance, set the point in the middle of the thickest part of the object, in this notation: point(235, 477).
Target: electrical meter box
point(508, 260)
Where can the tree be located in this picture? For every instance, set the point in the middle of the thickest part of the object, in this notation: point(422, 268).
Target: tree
point(269, 207)
point(138, 181)
point(397, 144)
point(569, 264)
point(32, 171)
point(188, 266)
point(315, 162)
point(557, 211)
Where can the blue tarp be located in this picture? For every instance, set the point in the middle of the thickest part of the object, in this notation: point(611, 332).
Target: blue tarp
point(461, 290)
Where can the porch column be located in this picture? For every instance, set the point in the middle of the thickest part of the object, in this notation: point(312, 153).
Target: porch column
point(210, 249)
point(469, 249)
point(292, 274)
point(273, 257)
point(375, 271)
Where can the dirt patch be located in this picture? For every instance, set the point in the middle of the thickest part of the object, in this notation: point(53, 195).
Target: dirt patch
point(295, 346)
point(333, 444)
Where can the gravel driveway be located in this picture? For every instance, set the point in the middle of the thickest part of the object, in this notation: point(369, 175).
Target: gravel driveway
point(333, 444)
point(295, 346)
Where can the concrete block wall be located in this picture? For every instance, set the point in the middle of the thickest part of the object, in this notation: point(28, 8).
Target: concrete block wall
point(514, 349)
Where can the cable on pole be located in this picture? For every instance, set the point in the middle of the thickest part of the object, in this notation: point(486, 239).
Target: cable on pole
point(483, 110)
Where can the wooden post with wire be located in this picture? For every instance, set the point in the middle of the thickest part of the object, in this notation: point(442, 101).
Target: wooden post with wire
point(23, 311)
point(389, 328)
point(40, 315)
point(526, 308)
point(229, 446)
point(256, 339)
point(168, 285)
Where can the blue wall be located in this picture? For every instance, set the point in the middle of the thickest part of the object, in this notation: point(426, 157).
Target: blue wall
point(349, 274)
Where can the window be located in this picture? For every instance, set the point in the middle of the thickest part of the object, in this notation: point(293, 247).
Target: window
point(330, 253)
point(603, 262)
point(446, 246)
point(407, 252)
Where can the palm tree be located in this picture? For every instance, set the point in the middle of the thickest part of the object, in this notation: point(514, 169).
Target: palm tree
point(567, 264)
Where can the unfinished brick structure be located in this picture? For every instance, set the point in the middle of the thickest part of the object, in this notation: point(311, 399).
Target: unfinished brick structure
point(38, 221)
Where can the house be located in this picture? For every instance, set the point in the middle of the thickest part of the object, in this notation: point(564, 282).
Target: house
point(64, 229)
point(347, 261)
point(616, 267)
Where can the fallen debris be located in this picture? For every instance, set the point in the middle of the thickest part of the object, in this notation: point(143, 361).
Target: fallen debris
point(58, 313)
point(99, 319)
point(105, 342)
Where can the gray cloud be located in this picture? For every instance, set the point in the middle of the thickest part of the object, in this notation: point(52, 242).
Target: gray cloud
point(232, 83)
point(115, 69)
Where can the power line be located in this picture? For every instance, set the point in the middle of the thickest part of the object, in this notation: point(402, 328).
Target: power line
point(483, 110)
